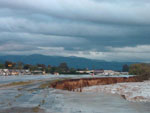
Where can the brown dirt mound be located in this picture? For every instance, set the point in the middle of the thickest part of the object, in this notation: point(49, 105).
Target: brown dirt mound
point(78, 84)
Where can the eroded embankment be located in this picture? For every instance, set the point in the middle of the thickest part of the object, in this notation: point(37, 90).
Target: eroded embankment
point(78, 84)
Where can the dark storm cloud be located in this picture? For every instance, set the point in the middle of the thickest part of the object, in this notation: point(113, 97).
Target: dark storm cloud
point(96, 29)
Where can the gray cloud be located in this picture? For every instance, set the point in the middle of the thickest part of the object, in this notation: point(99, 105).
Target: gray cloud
point(97, 29)
point(129, 12)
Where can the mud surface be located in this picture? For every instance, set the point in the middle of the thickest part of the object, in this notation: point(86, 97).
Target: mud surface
point(23, 110)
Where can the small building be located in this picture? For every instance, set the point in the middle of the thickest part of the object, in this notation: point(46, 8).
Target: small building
point(98, 72)
point(125, 73)
point(14, 73)
point(85, 71)
point(56, 73)
point(38, 72)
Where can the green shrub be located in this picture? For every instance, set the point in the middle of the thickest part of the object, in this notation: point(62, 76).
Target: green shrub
point(141, 70)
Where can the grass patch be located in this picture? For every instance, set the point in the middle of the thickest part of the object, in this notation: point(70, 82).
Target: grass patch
point(17, 83)
point(32, 90)
point(43, 102)
point(47, 84)
point(19, 89)
point(36, 109)
point(19, 95)
point(9, 104)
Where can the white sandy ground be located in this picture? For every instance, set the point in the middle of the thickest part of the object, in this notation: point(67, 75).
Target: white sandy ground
point(135, 91)
point(23, 99)
point(9, 79)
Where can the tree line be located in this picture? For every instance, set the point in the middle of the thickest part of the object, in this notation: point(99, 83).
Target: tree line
point(62, 68)
point(142, 70)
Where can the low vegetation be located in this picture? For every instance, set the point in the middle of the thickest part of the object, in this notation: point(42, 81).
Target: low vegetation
point(48, 83)
point(19, 95)
point(17, 83)
point(141, 70)
point(36, 109)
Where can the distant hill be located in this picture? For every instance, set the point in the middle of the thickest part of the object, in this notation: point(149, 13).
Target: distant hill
point(75, 62)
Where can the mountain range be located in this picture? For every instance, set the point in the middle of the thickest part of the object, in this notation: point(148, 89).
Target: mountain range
point(74, 62)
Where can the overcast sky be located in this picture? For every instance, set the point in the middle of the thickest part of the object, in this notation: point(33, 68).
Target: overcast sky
point(112, 30)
